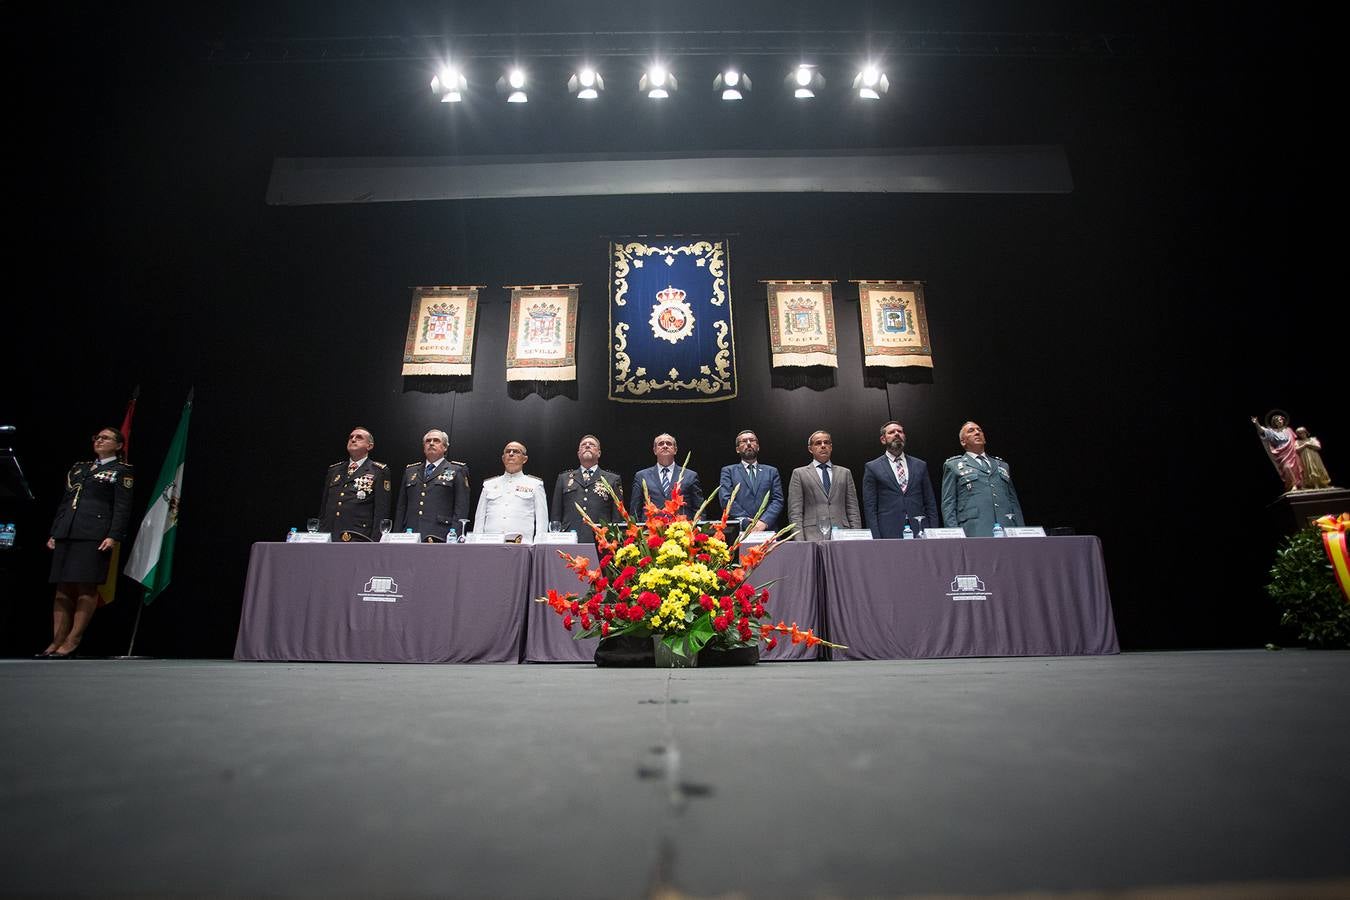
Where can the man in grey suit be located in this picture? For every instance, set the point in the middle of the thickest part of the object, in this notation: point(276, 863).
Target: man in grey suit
point(661, 477)
point(821, 494)
point(756, 481)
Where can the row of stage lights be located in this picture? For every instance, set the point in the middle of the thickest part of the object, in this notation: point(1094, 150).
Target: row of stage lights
point(658, 83)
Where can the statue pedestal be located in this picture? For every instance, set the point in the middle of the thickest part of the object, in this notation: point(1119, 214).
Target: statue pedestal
point(1296, 510)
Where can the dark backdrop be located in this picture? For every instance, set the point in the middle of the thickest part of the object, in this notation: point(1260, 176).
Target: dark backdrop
point(1112, 341)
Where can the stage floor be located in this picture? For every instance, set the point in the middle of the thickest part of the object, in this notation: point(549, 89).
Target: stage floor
point(1223, 771)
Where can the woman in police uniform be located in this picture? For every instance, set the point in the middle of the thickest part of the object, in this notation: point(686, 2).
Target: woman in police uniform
point(91, 520)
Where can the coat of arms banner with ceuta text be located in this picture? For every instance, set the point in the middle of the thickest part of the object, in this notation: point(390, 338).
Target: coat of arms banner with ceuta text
point(542, 342)
point(801, 324)
point(440, 331)
point(670, 330)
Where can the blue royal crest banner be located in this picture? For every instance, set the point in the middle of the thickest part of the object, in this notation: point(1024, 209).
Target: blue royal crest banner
point(671, 338)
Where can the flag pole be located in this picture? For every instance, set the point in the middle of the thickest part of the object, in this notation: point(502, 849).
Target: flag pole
point(140, 607)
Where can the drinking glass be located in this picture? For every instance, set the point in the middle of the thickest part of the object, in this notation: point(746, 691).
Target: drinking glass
point(385, 525)
point(825, 528)
point(555, 527)
point(312, 526)
point(463, 530)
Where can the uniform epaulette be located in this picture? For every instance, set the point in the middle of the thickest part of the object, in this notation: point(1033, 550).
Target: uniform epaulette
point(535, 478)
point(341, 462)
point(951, 458)
point(378, 465)
point(460, 463)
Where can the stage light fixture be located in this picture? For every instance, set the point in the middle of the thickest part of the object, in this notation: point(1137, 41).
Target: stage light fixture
point(804, 81)
point(733, 84)
point(658, 83)
point(512, 86)
point(449, 84)
point(586, 84)
point(871, 83)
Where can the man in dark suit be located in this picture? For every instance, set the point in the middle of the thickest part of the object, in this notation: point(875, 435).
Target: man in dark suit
point(581, 487)
point(821, 495)
point(355, 491)
point(661, 477)
point(896, 488)
point(433, 496)
point(756, 481)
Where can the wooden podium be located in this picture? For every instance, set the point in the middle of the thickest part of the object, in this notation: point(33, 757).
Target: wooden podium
point(1296, 510)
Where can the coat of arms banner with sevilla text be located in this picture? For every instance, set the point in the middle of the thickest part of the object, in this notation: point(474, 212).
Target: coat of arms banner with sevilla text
point(670, 330)
point(542, 342)
point(440, 331)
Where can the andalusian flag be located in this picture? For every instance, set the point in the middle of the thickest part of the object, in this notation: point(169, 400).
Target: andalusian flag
point(151, 560)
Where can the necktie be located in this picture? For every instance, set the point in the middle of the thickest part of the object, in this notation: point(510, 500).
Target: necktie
point(825, 478)
point(665, 481)
point(754, 476)
point(586, 476)
point(431, 467)
point(351, 467)
point(902, 473)
point(984, 463)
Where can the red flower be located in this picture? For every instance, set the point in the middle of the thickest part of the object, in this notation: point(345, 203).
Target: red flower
point(650, 599)
point(703, 557)
point(606, 560)
point(726, 604)
point(604, 629)
point(764, 596)
point(575, 607)
point(724, 575)
point(706, 602)
point(720, 623)
point(744, 592)
point(645, 561)
point(635, 613)
point(773, 642)
point(585, 620)
point(567, 622)
point(625, 593)
point(655, 541)
point(700, 537)
point(601, 583)
point(607, 612)
point(627, 573)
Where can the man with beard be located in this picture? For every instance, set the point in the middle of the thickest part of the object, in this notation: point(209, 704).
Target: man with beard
point(756, 481)
point(434, 495)
point(581, 487)
point(355, 491)
point(896, 489)
point(977, 488)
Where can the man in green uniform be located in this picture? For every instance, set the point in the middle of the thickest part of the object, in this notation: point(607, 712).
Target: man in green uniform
point(977, 488)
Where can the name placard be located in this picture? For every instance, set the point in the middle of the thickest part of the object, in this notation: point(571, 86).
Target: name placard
point(757, 537)
point(485, 537)
point(1024, 531)
point(850, 534)
point(941, 533)
point(305, 537)
point(557, 537)
point(401, 537)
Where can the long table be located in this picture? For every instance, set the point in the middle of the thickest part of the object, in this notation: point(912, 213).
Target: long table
point(887, 599)
point(898, 599)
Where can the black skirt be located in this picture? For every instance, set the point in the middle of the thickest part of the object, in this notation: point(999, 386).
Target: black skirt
point(80, 562)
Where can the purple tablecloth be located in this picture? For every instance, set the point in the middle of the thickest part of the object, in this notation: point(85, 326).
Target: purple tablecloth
point(795, 597)
point(894, 599)
point(384, 602)
point(545, 638)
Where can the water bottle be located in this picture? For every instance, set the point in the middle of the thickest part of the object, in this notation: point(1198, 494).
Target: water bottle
point(290, 535)
point(452, 536)
point(998, 530)
point(410, 531)
point(908, 533)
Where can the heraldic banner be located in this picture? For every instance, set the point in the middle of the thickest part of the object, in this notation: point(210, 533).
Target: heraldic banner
point(801, 324)
point(440, 331)
point(894, 324)
point(542, 344)
point(670, 329)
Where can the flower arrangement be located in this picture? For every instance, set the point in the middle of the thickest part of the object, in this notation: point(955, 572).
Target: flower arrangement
point(1310, 582)
point(674, 579)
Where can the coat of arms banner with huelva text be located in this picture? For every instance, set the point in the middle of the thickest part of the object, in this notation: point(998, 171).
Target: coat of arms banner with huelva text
point(894, 324)
point(440, 331)
point(542, 342)
point(670, 331)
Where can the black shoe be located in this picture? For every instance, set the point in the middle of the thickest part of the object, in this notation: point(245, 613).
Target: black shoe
point(45, 654)
point(57, 654)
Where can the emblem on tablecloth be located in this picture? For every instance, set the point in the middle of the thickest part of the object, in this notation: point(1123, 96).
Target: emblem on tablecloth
point(381, 589)
point(968, 587)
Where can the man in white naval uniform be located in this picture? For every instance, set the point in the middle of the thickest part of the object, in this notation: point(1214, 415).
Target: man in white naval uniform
point(514, 503)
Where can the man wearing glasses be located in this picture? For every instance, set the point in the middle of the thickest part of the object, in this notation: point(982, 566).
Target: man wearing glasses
point(514, 503)
point(356, 491)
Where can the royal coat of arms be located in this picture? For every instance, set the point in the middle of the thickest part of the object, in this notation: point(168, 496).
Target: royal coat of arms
point(672, 319)
point(803, 316)
point(441, 323)
point(892, 316)
point(543, 327)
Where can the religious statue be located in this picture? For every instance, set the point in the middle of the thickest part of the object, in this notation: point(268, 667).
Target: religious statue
point(1281, 446)
point(1309, 448)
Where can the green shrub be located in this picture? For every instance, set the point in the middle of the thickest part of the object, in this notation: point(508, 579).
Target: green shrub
point(1305, 589)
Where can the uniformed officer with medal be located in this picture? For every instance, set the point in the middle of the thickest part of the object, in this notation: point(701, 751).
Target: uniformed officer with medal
point(581, 487)
point(433, 495)
point(514, 503)
point(356, 492)
point(977, 488)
